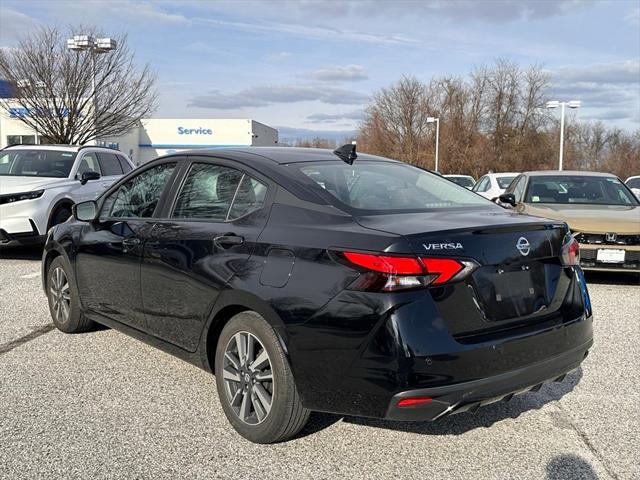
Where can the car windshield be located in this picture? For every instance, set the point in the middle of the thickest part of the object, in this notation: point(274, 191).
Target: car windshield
point(36, 163)
point(462, 181)
point(579, 189)
point(386, 186)
point(633, 183)
point(504, 182)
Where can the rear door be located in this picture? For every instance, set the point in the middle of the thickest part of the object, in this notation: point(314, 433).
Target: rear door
point(110, 250)
point(205, 237)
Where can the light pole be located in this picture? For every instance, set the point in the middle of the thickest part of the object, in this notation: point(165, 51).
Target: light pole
point(562, 105)
point(437, 122)
point(95, 46)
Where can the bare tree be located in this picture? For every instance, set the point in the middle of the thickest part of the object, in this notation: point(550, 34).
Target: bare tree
point(494, 120)
point(53, 87)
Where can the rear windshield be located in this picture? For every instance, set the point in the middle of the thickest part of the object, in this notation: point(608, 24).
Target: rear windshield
point(504, 182)
point(386, 187)
point(462, 181)
point(36, 163)
point(579, 189)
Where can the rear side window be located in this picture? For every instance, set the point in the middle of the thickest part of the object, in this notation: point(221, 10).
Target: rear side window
point(387, 186)
point(504, 182)
point(249, 197)
point(109, 164)
point(139, 196)
point(482, 185)
point(126, 168)
point(207, 192)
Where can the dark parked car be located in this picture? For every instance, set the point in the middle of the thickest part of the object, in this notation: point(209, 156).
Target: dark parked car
point(310, 280)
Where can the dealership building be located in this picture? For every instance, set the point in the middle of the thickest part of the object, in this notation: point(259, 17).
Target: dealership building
point(153, 137)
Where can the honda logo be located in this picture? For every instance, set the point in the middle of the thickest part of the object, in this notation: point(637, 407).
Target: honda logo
point(611, 237)
point(523, 246)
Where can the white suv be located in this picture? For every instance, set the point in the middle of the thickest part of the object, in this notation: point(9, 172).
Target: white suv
point(40, 183)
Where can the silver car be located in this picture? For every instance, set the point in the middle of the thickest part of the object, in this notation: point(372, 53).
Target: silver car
point(40, 183)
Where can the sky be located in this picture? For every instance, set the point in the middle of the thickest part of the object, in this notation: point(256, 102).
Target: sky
point(309, 68)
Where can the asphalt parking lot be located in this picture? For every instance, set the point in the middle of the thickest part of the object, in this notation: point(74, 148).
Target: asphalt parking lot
point(102, 405)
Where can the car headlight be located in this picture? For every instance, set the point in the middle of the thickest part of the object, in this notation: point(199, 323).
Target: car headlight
point(16, 197)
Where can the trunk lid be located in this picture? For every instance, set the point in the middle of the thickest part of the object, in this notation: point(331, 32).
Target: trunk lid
point(519, 276)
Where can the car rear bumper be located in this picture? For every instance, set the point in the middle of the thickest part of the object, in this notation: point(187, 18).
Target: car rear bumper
point(469, 396)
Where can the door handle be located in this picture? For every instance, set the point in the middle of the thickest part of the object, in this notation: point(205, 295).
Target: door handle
point(229, 240)
point(130, 242)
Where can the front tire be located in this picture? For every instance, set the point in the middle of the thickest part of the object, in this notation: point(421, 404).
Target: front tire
point(254, 381)
point(64, 304)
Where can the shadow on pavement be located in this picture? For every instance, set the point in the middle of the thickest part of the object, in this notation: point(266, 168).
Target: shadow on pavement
point(31, 252)
point(460, 423)
point(612, 278)
point(570, 466)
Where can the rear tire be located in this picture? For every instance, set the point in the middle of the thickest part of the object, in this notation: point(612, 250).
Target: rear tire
point(64, 304)
point(254, 381)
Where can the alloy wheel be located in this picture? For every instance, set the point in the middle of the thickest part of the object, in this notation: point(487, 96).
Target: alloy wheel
point(60, 295)
point(248, 378)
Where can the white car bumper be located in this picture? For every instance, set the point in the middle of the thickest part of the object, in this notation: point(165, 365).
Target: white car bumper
point(24, 221)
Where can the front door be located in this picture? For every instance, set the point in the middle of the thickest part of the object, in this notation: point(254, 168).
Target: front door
point(110, 249)
point(191, 255)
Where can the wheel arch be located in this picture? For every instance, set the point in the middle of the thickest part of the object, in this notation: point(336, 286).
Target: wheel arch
point(229, 304)
point(61, 202)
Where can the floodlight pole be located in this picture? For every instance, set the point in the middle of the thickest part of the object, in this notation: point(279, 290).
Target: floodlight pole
point(95, 47)
point(562, 105)
point(437, 122)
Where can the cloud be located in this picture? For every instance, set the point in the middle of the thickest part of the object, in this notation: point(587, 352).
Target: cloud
point(290, 133)
point(488, 11)
point(269, 95)
point(309, 31)
point(627, 72)
point(277, 57)
point(334, 117)
point(633, 17)
point(340, 73)
point(15, 24)
point(608, 91)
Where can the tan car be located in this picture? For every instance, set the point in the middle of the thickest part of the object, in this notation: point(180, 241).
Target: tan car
point(602, 212)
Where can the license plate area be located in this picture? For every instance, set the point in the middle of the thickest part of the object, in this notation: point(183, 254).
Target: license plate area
point(516, 291)
point(606, 255)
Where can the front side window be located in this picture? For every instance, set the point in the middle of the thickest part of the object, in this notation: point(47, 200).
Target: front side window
point(386, 186)
point(580, 189)
point(139, 196)
point(88, 163)
point(518, 188)
point(36, 163)
point(110, 164)
point(207, 193)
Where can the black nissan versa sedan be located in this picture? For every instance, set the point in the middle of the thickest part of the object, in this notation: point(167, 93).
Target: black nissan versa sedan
point(331, 281)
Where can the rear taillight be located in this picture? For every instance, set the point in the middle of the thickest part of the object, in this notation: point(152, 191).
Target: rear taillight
point(388, 273)
point(570, 254)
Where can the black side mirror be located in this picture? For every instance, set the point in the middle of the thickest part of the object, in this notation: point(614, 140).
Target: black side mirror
point(508, 198)
point(85, 211)
point(89, 175)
